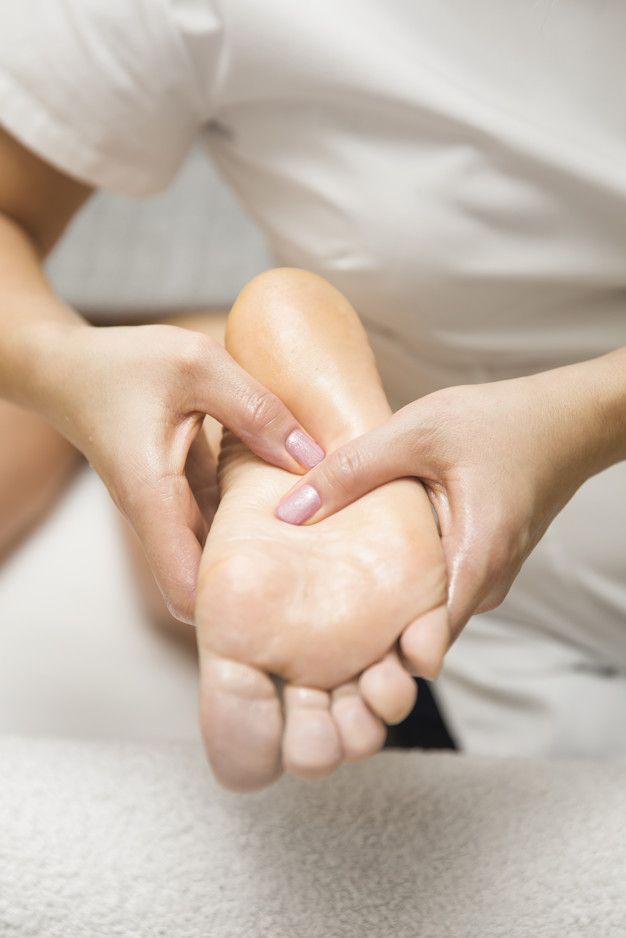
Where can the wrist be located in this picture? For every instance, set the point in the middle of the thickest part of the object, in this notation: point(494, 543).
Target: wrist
point(49, 368)
point(590, 403)
point(610, 396)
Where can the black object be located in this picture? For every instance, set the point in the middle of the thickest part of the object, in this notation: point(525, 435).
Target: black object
point(424, 728)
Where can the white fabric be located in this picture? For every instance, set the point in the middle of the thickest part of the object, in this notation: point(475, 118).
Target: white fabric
point(105, 839)
point(78, 656)
point(459, 171)
point(111, 92)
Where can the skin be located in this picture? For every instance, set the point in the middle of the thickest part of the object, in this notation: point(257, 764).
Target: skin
point(321, 608)
point(498, 460)
point(36, 464)
point(131, 399)
point(204, 485)
point(349, 728)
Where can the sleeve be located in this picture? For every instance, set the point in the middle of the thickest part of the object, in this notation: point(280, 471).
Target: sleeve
point(112, 92)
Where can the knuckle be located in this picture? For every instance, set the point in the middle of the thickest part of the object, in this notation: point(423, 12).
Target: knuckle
point(438, 408)
point(263, 411)
point(133, 487)
point(423, 433)
point(447, 414)
point(343, 469)
point(192, 353)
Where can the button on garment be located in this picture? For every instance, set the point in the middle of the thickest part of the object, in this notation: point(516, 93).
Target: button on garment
point(459, 171)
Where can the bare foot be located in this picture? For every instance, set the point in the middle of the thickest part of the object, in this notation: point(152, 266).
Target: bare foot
point(321, 607)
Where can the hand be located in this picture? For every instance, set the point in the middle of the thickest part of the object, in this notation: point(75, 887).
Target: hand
point(133, 400)
point(498, 460)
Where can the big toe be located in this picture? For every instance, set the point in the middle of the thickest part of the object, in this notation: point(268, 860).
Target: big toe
point(242, 723)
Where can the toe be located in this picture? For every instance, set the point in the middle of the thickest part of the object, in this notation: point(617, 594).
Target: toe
point(424, 643)
point(388, 689)
point(361, 732)
point(242, 723)
point(311, 745)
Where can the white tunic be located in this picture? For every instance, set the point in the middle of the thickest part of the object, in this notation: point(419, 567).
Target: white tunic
point(458, 170)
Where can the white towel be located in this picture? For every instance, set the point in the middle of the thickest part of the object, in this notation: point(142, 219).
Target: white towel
point(101, 839)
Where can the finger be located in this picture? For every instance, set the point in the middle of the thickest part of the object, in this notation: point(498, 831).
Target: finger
point(242, 723)
point(388, 689)
point(386, 453)
point(258, 417)
point(171, 529)
point(469, 575)
point(425, 641)
point(311, 745)
point(471, 594)
point(361, 732)
point(201, 472)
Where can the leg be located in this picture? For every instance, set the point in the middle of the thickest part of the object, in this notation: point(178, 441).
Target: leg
point(35, 465)
point(316, 605)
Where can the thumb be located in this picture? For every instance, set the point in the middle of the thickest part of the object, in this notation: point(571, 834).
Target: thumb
point(389, 452)
point(469, 573)
point(171, 530)
point(223, 389)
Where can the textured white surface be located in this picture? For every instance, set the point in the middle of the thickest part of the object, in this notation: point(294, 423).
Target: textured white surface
point(136, 841)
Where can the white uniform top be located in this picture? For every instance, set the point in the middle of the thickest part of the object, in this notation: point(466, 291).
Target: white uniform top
point(459, 171)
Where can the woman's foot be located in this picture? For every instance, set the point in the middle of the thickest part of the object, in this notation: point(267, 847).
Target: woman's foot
point(321, 607)
point(316, 606)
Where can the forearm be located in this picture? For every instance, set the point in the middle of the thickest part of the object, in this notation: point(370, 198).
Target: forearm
point(611, 401)
point(34, 322)
point(37, 202)
point(586, 403)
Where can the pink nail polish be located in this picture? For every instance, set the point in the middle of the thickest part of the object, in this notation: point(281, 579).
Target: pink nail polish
point(303, 449)
point(300, 506)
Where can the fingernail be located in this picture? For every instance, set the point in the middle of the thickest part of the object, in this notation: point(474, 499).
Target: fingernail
point(299, 506)
point(303, 449)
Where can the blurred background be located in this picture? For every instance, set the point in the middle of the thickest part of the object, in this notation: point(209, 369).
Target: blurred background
point(78, 655)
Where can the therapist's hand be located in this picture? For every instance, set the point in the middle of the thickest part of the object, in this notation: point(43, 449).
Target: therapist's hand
point(133, 400)
point(498, 460)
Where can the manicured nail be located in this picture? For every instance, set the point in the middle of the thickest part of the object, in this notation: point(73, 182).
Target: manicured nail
point(303, 449)
point(299, 506)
